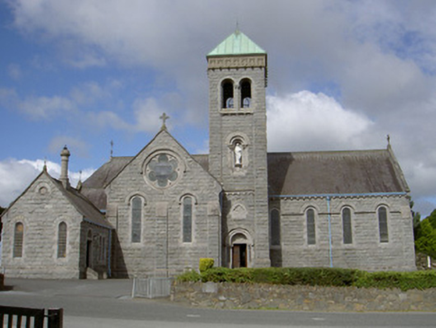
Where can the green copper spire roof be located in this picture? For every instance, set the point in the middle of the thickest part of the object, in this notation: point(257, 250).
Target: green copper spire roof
point(236, 44)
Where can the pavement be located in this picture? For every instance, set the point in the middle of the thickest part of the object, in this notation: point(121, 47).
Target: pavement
point(108, 303)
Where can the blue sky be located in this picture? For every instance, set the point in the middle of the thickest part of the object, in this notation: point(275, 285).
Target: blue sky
point(342, 75)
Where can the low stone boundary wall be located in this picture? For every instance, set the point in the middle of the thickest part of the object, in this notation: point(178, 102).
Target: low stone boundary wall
point(301, 298)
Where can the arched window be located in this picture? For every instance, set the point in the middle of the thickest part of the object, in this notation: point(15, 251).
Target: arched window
point(136, 208)
point(310, 223)
point(227, 94)
point(18, 240)
point(245, 94)
point(187, 219)
point(346, 226)
point(275, 228)
point(383, 224)
point(62, 240)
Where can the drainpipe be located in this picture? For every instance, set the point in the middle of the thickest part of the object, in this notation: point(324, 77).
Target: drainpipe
point(329, 217)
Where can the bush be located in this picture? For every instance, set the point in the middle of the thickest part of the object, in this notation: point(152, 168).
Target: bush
point(206, 264)
point(402, 280)
point(334, 277)
point(189, 276)
point(284, 276)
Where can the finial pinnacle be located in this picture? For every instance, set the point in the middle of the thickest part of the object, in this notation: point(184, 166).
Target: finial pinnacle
point(388, 138)
point(44, 168)
point(164, 117)
point(237, 31)
point(112, 148)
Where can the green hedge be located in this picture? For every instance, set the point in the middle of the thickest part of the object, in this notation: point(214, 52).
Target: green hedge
point(283, 276)
point(403, 280)
point(317, 277)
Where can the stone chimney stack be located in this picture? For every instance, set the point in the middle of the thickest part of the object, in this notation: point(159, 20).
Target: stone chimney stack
point(65, 154)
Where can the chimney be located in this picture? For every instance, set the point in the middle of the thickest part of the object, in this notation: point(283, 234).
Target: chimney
point(65, 154)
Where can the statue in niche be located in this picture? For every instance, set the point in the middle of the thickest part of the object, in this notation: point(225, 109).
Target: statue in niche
point(238, 154)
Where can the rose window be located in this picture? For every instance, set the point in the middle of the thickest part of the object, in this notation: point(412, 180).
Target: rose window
point(162, 170)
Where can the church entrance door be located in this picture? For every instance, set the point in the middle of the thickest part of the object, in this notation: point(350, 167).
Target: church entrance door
point(239, 256)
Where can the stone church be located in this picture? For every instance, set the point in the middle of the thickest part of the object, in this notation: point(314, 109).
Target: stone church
point(158, 212)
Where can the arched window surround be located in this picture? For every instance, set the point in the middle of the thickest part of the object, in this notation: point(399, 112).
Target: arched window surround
point(136, 209)
point(310, 216)
point(347, 225)
point(188, 204)
point(227, 94)
point(18, 246)
point(245, 93)
point(62, 240)
point(382, 213)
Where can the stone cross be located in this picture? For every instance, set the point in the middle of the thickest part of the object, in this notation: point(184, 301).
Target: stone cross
point(164, 117)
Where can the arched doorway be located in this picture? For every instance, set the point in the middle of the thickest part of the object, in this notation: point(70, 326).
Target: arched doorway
point(240, 246)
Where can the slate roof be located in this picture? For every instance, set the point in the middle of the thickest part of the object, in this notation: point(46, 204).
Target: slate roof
point(83, 205)
point(80, 202)
point(93, 187)
point(296, 174)
point(203, 160)
point(336, 172)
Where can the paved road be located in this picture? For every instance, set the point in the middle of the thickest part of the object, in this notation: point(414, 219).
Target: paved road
point(107, 303)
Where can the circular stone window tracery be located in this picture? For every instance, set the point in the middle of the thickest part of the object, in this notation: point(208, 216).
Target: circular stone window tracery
point(163, 170)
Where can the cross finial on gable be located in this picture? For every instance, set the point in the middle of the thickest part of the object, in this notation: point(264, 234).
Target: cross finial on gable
point(164, 117)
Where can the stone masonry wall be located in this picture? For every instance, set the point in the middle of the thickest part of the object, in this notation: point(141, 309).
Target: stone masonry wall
point(40, 214)
point(245, 186)
point(161, 250)
point(365, 252)
point(301, 298)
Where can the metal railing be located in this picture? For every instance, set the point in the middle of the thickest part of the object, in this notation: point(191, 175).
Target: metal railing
point(151, 287)
point(11, 317)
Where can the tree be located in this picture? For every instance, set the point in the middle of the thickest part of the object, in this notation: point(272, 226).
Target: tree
point(416, 216)
point(425, 239)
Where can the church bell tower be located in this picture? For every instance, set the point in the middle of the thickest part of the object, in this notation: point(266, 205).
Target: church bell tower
point(237, 72)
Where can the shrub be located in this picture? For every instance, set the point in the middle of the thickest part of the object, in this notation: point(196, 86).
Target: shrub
point(284, 276)
point(206, 264)
point(403, 280)
point(192, 276)
point(334, 277)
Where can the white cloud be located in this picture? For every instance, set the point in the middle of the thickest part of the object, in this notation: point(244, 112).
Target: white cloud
point(147, 114)
point(308, 121)
point(46, 108)
point(377, 58)
point(16, 175)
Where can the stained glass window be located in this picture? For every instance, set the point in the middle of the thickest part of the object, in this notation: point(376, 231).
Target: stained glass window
point(346, 226)
point(18, 240)
point(62, 240)
point(383, 224)
point(136, 219)
point(187, 219)
point(310, 221)
point(162, 170)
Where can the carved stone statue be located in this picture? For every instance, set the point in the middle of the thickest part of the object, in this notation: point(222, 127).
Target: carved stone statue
point(238, 154)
